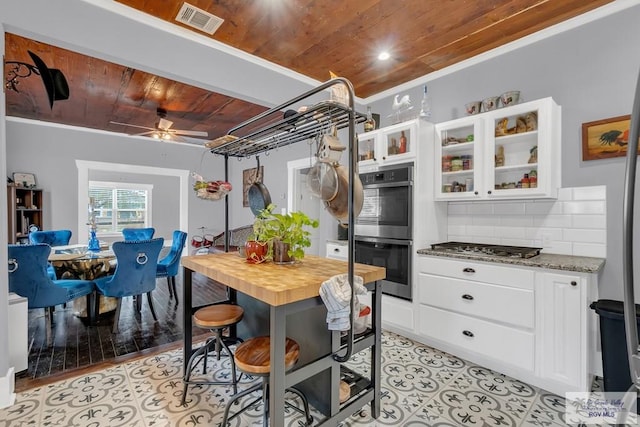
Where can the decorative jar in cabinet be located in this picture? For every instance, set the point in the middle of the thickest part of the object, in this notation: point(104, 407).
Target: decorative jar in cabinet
point(391, 144)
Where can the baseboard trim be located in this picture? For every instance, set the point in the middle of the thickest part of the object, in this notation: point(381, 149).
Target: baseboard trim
point(7, 388)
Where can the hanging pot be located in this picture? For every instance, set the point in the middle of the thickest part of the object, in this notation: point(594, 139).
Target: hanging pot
point(338, 207)
point(258, 195)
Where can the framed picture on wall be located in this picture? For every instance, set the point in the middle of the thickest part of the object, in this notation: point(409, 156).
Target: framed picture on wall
point(249, 176)
point(607, 138)
point(22, 179)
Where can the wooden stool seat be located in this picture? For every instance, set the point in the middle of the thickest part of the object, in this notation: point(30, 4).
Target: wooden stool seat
point(218, 316)
point(253, 355)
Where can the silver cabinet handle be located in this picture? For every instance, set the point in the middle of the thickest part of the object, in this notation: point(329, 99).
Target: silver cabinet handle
point(467, 333)
point(467, 297)
point(468, 270)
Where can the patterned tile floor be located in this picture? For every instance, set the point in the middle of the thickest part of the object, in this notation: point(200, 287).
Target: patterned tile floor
point(421, 387)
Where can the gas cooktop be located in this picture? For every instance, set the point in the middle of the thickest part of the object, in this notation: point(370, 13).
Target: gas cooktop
point(486, 249)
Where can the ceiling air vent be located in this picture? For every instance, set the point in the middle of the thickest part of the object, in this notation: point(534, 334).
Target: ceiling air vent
point(198, 18)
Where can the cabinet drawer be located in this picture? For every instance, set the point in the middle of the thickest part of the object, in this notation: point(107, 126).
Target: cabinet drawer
point(495, 302)
point(477, 271)
point(489, 339)
point(337, 251)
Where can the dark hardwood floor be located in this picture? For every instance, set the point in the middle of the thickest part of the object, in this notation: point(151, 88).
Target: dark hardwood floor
point(77, 345)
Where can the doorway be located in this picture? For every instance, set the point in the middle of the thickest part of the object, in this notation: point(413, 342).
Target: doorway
point(301, 200)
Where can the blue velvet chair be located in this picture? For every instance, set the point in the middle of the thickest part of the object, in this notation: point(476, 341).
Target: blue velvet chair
point(135, 274)
point(138, 233)
point(28, 278)
point(51, 238)
point(169, 265)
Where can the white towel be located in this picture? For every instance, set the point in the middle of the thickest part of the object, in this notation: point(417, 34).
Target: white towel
point(336, 295)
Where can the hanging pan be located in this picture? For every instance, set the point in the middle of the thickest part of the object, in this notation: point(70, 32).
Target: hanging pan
point(258, 195)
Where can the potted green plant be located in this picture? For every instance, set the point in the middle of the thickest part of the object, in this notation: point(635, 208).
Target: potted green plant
point(285, 234)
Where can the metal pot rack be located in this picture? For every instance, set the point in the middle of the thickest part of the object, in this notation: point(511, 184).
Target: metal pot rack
point(270, 130)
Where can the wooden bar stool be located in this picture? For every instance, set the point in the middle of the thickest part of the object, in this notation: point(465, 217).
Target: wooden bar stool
point(216, 318)
point(252, 357)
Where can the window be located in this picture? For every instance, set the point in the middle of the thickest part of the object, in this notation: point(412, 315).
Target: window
point(120, 205)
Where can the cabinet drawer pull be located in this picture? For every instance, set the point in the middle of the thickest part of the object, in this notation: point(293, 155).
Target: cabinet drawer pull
point(574, 283)
point(336, 250)
point(467, 297)
point(467, 333)
point(468, 270)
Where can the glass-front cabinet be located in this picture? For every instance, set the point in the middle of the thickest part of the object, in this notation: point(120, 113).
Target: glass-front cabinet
point(391, 144)
point(458, 155)
point(511, 152)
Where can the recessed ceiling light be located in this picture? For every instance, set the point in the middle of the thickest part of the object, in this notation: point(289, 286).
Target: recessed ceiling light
point(383, 56)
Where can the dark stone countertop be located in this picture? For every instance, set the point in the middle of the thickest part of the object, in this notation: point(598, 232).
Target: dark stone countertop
point(550, 261)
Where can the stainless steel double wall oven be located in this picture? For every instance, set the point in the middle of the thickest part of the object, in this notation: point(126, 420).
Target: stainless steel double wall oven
point(384, 229)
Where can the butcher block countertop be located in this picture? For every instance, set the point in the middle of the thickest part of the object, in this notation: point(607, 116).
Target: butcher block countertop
point(272, 283)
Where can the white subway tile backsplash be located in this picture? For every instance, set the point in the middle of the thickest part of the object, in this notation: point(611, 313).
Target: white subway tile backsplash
point(575, 224)
point(590, 249)
point(584, 235)
point(565, 194)
point(543, 207)
point(558, 247)
point(481, 209)
point(458, 208)
point(590, 193)
point(552, 220)
point(516, 221)
point(480, 231)
point(584, 207)
point(509, 208)
point(457, 229)
point(589, 221)
point(510, 232)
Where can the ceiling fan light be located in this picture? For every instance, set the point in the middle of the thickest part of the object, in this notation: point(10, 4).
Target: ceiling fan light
point(166, 135)
point(383, 56)
point(155, 135)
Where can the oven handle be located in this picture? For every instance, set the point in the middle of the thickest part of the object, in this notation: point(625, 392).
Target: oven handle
point(388, 185)
point(402, 242)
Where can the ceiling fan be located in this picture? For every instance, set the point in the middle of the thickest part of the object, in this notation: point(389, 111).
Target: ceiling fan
point(163, 129)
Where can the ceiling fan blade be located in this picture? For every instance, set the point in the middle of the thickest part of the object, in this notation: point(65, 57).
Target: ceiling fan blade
point(145, 133)
point(133, 126)
point(189, 132)
point(164, 124)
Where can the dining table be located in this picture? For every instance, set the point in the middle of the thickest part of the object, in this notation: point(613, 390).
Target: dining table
point(76, 262)
point(284, 301)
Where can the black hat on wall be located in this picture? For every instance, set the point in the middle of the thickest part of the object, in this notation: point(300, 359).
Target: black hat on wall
point(54, 81)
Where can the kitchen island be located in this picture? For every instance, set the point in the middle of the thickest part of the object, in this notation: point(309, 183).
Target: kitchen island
point(281, 301)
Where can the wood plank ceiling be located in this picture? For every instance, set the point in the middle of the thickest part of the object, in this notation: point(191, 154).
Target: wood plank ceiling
point(307, 36)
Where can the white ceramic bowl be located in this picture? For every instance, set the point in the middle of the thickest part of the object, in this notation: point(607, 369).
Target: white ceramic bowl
point(510, 98)
point(473, 107)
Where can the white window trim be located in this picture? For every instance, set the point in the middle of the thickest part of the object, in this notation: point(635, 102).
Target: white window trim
point(127, 186)
point(84, 166)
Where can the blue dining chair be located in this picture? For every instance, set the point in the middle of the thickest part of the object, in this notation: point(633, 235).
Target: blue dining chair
point(135, 274)
point(51, 238)
point(170, 265)
point(138, 233)
point(28, 278)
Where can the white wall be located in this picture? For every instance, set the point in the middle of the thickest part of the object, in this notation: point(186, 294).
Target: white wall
point(591, 72)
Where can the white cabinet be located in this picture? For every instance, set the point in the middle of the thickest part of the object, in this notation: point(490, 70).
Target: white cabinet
point(512, 152)
point(562, 329)
point(530, 323)
point(388, 145)
point(338, 250)
point(18, 332)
